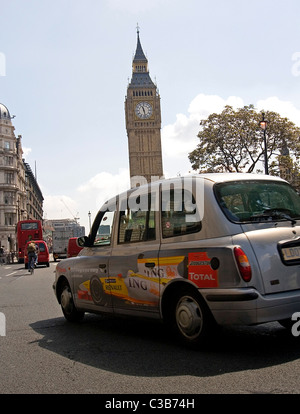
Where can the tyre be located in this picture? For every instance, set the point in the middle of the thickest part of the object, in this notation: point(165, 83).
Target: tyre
point(190, 318)
point(67, 304)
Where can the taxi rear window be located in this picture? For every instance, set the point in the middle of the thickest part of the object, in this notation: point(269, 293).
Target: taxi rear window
point(250, 201)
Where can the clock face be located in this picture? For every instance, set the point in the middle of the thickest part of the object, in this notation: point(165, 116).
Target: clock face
point(143, 110)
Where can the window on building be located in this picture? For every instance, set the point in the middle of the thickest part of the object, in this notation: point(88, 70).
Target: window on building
point(9, 177)
point(8, 160)
point(9, 219)
point(9, 198)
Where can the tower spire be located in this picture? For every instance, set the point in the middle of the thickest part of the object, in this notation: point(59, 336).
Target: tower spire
point(139, 53)
point(140, 70)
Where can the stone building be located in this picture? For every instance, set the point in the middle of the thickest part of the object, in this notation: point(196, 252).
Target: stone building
point(18, 187)
point(34, 196)
point(143, 122)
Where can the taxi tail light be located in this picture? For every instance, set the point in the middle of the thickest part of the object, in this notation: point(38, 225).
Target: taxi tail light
point(243, 264)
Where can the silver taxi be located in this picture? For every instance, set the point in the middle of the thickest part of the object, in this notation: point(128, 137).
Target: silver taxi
point(193, 252)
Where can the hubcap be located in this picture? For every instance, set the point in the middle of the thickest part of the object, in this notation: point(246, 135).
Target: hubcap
point(189, 317)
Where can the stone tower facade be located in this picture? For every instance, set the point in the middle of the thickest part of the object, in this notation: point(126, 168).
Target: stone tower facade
point(143, 122)
point(20, 195)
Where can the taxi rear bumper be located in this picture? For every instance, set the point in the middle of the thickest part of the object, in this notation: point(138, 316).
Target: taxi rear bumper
point(247, 306)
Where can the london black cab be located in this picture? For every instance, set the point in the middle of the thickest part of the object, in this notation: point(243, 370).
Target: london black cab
point(193, 252)
point(43, 253)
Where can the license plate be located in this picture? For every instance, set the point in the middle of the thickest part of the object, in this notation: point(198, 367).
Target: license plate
point(291, 253)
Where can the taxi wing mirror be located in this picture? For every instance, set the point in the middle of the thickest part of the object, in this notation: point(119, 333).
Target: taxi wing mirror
point(83, 241)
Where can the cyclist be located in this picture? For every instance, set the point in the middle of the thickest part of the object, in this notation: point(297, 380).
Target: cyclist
point(31, 251)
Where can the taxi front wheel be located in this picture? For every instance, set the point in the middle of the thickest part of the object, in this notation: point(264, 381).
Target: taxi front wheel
point(67, 304)
point(190, 318)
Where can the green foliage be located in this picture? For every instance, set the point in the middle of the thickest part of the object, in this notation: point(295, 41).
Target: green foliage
point(233, 141)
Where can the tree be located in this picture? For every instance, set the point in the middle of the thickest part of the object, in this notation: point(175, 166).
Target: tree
point(232, 141)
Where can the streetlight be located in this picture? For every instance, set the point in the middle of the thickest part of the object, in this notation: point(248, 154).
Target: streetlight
point(263, 124)
point(89, 214)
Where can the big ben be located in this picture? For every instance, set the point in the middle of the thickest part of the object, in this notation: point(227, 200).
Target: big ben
point(143, 122)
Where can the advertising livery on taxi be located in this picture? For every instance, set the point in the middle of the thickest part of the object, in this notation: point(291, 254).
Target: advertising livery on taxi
point(193, 252)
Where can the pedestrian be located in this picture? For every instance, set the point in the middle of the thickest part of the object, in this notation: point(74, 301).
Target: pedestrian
point(1, 255)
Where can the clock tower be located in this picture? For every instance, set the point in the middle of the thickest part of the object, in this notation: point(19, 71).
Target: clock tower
point(143, 122)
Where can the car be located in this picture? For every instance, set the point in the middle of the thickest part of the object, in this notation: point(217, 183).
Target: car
point(194, 252)
point(43, 253)
point(73, 248)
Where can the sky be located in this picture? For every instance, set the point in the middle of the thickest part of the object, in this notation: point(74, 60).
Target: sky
point(65, 66)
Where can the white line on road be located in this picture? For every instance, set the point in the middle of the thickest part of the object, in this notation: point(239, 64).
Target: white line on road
point(9, 274)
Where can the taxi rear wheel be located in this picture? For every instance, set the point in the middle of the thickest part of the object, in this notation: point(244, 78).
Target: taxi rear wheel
point(190, 318)
point(67, 304)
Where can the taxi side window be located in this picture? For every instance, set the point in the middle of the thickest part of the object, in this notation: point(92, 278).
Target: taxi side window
point(103, 235)
point(179, 215)
point(138, 224)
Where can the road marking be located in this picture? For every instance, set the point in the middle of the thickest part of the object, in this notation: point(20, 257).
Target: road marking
point(9, 274)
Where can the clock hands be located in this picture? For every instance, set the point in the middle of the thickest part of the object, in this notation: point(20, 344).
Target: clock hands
point(143, 110)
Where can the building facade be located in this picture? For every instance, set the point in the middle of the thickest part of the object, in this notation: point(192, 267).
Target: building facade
point(18, 188)
point(143, 122)
point(34, 196)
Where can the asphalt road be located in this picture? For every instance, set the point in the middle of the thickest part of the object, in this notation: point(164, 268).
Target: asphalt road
point(41, 353)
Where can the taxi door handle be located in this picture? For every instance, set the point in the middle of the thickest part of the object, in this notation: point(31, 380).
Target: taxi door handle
point(102, 265)
point(150, 264)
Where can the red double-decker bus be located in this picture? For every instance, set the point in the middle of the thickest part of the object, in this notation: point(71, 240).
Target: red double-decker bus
point(27, 230)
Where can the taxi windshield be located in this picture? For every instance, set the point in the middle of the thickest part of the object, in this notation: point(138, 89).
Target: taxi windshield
point(250, 201)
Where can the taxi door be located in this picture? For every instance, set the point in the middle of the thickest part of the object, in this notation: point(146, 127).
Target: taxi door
point(90, 272)
point(133, 265)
